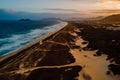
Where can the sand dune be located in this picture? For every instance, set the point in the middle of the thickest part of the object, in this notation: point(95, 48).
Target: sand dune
point(61, 56)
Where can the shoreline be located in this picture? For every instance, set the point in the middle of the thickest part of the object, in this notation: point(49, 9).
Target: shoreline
point(64, 52)
point(47, 35)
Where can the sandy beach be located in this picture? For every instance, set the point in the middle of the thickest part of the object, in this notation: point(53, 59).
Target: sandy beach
point(62, 25)
point(60, 55)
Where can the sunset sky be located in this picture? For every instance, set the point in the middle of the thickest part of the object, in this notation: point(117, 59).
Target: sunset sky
point(63, 6)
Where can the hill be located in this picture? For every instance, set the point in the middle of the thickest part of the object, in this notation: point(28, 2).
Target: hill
point(112, 18)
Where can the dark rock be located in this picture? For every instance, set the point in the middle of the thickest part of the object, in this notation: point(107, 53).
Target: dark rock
point(84, 42)
point(114, 68)
point(108, 72)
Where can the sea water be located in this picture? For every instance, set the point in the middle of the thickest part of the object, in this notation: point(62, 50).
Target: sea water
point(16, 34)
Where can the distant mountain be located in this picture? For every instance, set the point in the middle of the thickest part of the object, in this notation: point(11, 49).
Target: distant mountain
point(12, 15)
point(112, 18)
point(98, 18)
point(7, 15)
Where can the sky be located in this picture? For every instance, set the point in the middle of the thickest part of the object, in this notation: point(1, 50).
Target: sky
point(63, 6)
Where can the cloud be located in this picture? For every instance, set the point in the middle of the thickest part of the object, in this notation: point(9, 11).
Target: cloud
point(62, 10)
point(107, 11)
point(96, 0)
point(89, 1)
point(110, 0)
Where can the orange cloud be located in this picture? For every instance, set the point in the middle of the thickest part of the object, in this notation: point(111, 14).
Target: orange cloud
point(106, 12)
point(110, 0)
point(62, 10)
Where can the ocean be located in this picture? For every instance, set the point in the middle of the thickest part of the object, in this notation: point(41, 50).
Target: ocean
point(16, 34)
